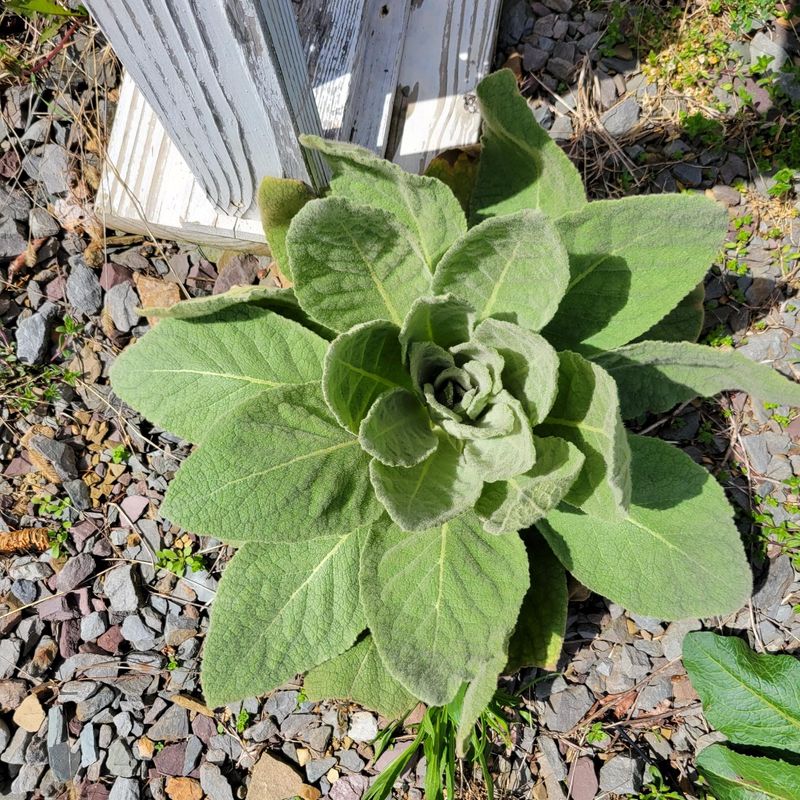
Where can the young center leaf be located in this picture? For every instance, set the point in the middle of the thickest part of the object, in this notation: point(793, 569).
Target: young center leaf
point(631, 262)
point(279, 199)
point(417, 588)
point(655, 376)
point(354, 263)
point(523, 273)
point(187, 375)
point(676, 554)
point(280, 610)
point(278, 465)
point(424, 206)
point(443, 320)
point(520, 165)
point(586, 413)
point(360, 676)
point(737, 776)
point(753, 699)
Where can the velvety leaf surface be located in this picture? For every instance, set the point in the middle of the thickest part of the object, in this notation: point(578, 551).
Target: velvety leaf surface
point(360, 365)
point(479, 694)
point(279, 199)
point(655, 376)
point(631, 262)
point(397, 430)
point(530, 372)
point(520, 165)
point(281, 609)
point(684, 323)
point(359, 675)
point(425, 206)
point(278, 465)
point(677, 554)
point(586, 413)
point(444, 320)
point(187, 375)
point(354, 263)
point(735, 776)
point(213, 303)
point(539, 636)
point(519, 501)
point(452, 593)
point(512, 268)
point(431, 492)
point(753, 699)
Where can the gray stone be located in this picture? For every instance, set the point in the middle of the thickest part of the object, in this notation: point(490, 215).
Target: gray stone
point(121, 303)
point(59, 454)
point(28, 568)
point(10, 651)
point(24, 591)
point(33, 334)
point(14, 203)
point(88, 746)
point(350, 760)
point(83, 287)
point(194, 748)
point(125, 789)
point(533, 58)
point(319, 738)
point(561, 129)
point(296, 724)
point(15, 752)
point(780, 576)
point(567, 708)
point(12, 240)
point(560, 6)
point(656, 691)
point(27, 779)
point(89, 708)
point(64, 760)
point(134, 630)
point(41, 224)
point(673, 638)
point(561, 68)
point(755, 445)
point(94, 625)
point(281, 704)
point(621, 775)
point(78, 493)
point(76, 691)
point(317, 767)
point(178, 629)
point(171, 726)
point(363, 727)
point(688, 174)
point(122, 589)
point(549, 749)
point(53, 169)
point(120, 760)
point(5, 735)
point(766, 346)
point(762, 45)
point(619, 119)
point(75, 572)
point(262, 731)
point(214, 783)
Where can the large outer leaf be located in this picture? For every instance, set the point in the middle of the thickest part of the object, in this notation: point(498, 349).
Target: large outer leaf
point(520, 166)
point(187, 375)
point(425, 206)
point(512, 268)
point(677, 554)
point(354, 263)
point(518, 502)
point(530, 372)
point(281, 609)
point(539, 636)
point(359, 675)
point(631, 262)
point(735, 776)
point(279, 199)
point(361, 365)
point(279, 465)
point(586, 413)
point(753, 699)
point(441, 602)
point(684, 323)
point(655, 376)
point(433, 491)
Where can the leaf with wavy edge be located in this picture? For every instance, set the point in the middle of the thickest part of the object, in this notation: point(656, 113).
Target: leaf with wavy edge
point(186, 375)
point(736, 776)
point(443, 320)
point(457, 569)
point(279, 199)
point(677, 554)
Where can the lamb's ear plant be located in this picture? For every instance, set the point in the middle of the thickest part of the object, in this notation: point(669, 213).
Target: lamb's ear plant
point(755, 701)
point(413, 445)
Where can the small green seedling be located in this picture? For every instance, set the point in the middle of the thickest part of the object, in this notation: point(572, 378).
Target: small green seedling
point(57, 510)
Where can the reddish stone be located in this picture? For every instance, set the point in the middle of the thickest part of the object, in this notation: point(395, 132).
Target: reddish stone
point(171, 759)
point(56, 609)
point(204, 728)
point(69, 638)
point(18, 466)
point(111, 639)
point(54, 291)
point(113, 274)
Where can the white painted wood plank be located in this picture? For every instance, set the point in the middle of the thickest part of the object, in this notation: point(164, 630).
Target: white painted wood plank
point(448, 48)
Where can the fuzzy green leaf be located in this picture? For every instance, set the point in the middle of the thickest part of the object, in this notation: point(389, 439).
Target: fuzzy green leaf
point(436, 489)
point(353, 263)
point(753, 699)
point(444, 320)
point(586, 413)
point(539, 636)
point(397, 430)
point(279, 610)
point(361, 365)
point(359, 675)
point(655, 376)
point(513, 268)
point(278, 465)
point(631, 262)
point(186, 375)
point(735, 776)
point(530, 371)
point(424, 206)
point(519, 501)
point(684, 323)
point(677, 554)
point(477, 697)
point(455, 569)
point(520, 165)
point(279, 199)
